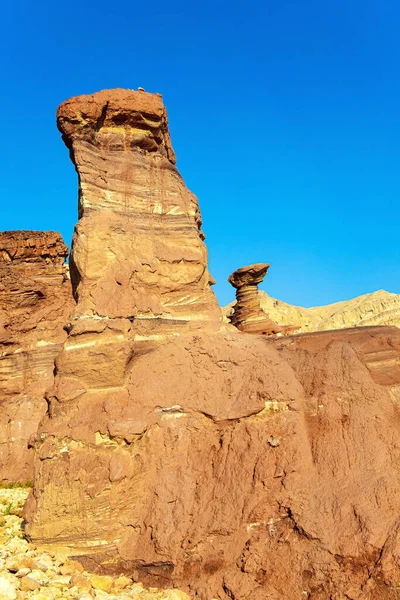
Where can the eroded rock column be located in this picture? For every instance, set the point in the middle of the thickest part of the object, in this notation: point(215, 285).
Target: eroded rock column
point(138, 261)
point(138, 250)
point(247, 314)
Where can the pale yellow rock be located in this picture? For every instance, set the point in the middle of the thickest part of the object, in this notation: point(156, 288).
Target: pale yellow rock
point(81, 582)
point(29, 584)
point(102, 582)
point(44, 562)
point(377, 308)
point(61, 581)
point(70, 567)
point(100, 595)
point(47, 594)
point(122, 582)
point(22, 572)
point(8, 590)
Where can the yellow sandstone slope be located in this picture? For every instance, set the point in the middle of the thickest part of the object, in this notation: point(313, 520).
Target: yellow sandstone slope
point(377, 308)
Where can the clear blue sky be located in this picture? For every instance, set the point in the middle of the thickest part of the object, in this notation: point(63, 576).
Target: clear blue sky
point(285, 117)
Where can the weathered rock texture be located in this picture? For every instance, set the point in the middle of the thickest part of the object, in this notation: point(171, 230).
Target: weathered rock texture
point(247, 314)
point(377, 308)
point(138, 250)
point(138, 261)
point(233, 466)
point(35, 302)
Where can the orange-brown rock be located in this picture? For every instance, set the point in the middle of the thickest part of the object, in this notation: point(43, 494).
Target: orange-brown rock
point(138, 261)
point(247, 314)
point(35, 302)
point(138, 250)
point(233, 466)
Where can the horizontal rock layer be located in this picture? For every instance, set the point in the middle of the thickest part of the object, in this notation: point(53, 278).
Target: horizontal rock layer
point(35, 302)
point(27, 573)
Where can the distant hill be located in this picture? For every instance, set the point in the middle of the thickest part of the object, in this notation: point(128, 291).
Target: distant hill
point(377, 308)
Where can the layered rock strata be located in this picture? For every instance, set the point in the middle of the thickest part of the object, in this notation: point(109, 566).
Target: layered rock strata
point(247, 314)
point(27, 573)
point(232, 466)
point(138, 251)
point(35, 302)
point(138, 260)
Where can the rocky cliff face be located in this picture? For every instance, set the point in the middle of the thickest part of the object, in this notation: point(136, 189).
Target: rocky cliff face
point(35, 302)
point(378, 308)
point(233, 466)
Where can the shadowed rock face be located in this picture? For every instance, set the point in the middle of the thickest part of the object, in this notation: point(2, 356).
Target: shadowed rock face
point(35, 302)
point(233, 466)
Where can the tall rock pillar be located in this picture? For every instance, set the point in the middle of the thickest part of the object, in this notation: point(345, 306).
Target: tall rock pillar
point(138, 250)
point(138, 260)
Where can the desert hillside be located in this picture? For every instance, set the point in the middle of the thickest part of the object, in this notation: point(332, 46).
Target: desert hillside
point(377, 308)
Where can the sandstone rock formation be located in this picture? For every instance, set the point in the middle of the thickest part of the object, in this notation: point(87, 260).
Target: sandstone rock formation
point(377, 308)
point(138, 251)
point(247, 314)
point(35, 302)
point(138, 260)
point(27, 573)
point(184, 454)
point(234, 467)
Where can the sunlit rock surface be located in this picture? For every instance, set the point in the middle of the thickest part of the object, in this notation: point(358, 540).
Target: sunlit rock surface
point(138, 250)
point(188, 455)
point(377, 308)
point(247, 314)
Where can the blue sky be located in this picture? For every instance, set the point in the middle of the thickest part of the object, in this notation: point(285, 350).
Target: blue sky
point(285, 117)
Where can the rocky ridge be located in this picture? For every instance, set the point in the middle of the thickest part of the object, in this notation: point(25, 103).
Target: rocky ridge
point(376, 308)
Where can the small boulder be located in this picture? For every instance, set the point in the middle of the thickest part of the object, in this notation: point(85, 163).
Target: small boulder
point(7, 589)
point(102, 582)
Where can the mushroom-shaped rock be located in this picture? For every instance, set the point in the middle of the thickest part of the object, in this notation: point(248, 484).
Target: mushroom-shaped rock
point(248, 315)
